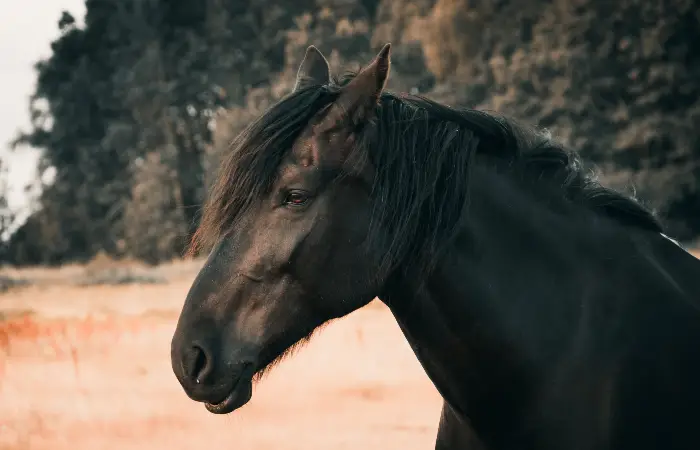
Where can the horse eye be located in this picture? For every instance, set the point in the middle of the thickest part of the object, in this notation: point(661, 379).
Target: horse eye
point(296, 198)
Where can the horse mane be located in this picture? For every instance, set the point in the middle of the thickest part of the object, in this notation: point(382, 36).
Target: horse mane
point(423, 152)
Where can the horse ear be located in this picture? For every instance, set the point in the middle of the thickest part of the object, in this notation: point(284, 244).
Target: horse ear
point(359, 97)
point(313, 70)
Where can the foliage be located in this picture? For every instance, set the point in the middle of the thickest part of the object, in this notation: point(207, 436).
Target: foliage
point(6, 216)
point(134, 108)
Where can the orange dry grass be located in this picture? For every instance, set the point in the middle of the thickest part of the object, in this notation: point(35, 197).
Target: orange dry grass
point(59, 338)
point(89, 368)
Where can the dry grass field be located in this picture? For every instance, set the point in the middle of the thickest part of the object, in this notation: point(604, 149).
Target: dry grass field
point(84, 364)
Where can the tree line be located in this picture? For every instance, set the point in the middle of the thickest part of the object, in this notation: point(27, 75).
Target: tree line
point(134, 107)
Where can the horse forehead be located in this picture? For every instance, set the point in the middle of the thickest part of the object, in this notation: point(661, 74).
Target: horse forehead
point(303, 147)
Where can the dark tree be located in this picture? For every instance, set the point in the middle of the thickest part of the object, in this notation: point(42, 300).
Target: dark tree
point(133, 109)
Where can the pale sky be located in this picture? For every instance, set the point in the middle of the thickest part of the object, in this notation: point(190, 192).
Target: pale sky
point(26, 33)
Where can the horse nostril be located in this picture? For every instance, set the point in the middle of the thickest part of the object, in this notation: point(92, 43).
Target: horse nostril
point(198, 364)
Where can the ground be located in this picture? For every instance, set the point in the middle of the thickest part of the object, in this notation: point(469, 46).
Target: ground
point(87, 367)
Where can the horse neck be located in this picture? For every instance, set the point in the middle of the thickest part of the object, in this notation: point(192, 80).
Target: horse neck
point(491, 316)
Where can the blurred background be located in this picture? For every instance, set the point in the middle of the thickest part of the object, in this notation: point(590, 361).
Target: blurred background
point(115, 113)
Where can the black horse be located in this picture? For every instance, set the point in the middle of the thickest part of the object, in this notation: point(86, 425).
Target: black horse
point(549, 311)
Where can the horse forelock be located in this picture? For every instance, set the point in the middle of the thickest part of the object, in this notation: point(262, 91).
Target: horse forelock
point(251, 162)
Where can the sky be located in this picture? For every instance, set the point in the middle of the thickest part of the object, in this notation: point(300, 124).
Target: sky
point(26, 31)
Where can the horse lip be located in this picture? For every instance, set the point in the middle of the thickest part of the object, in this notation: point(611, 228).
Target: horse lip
point(239, 395)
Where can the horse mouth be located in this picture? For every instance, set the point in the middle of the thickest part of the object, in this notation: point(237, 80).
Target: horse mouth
point(240, 394)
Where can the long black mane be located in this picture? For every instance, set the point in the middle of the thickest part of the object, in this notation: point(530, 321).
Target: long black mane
point(423, 152)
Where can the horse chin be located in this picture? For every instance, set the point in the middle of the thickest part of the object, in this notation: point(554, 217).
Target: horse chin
point(237, 398)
